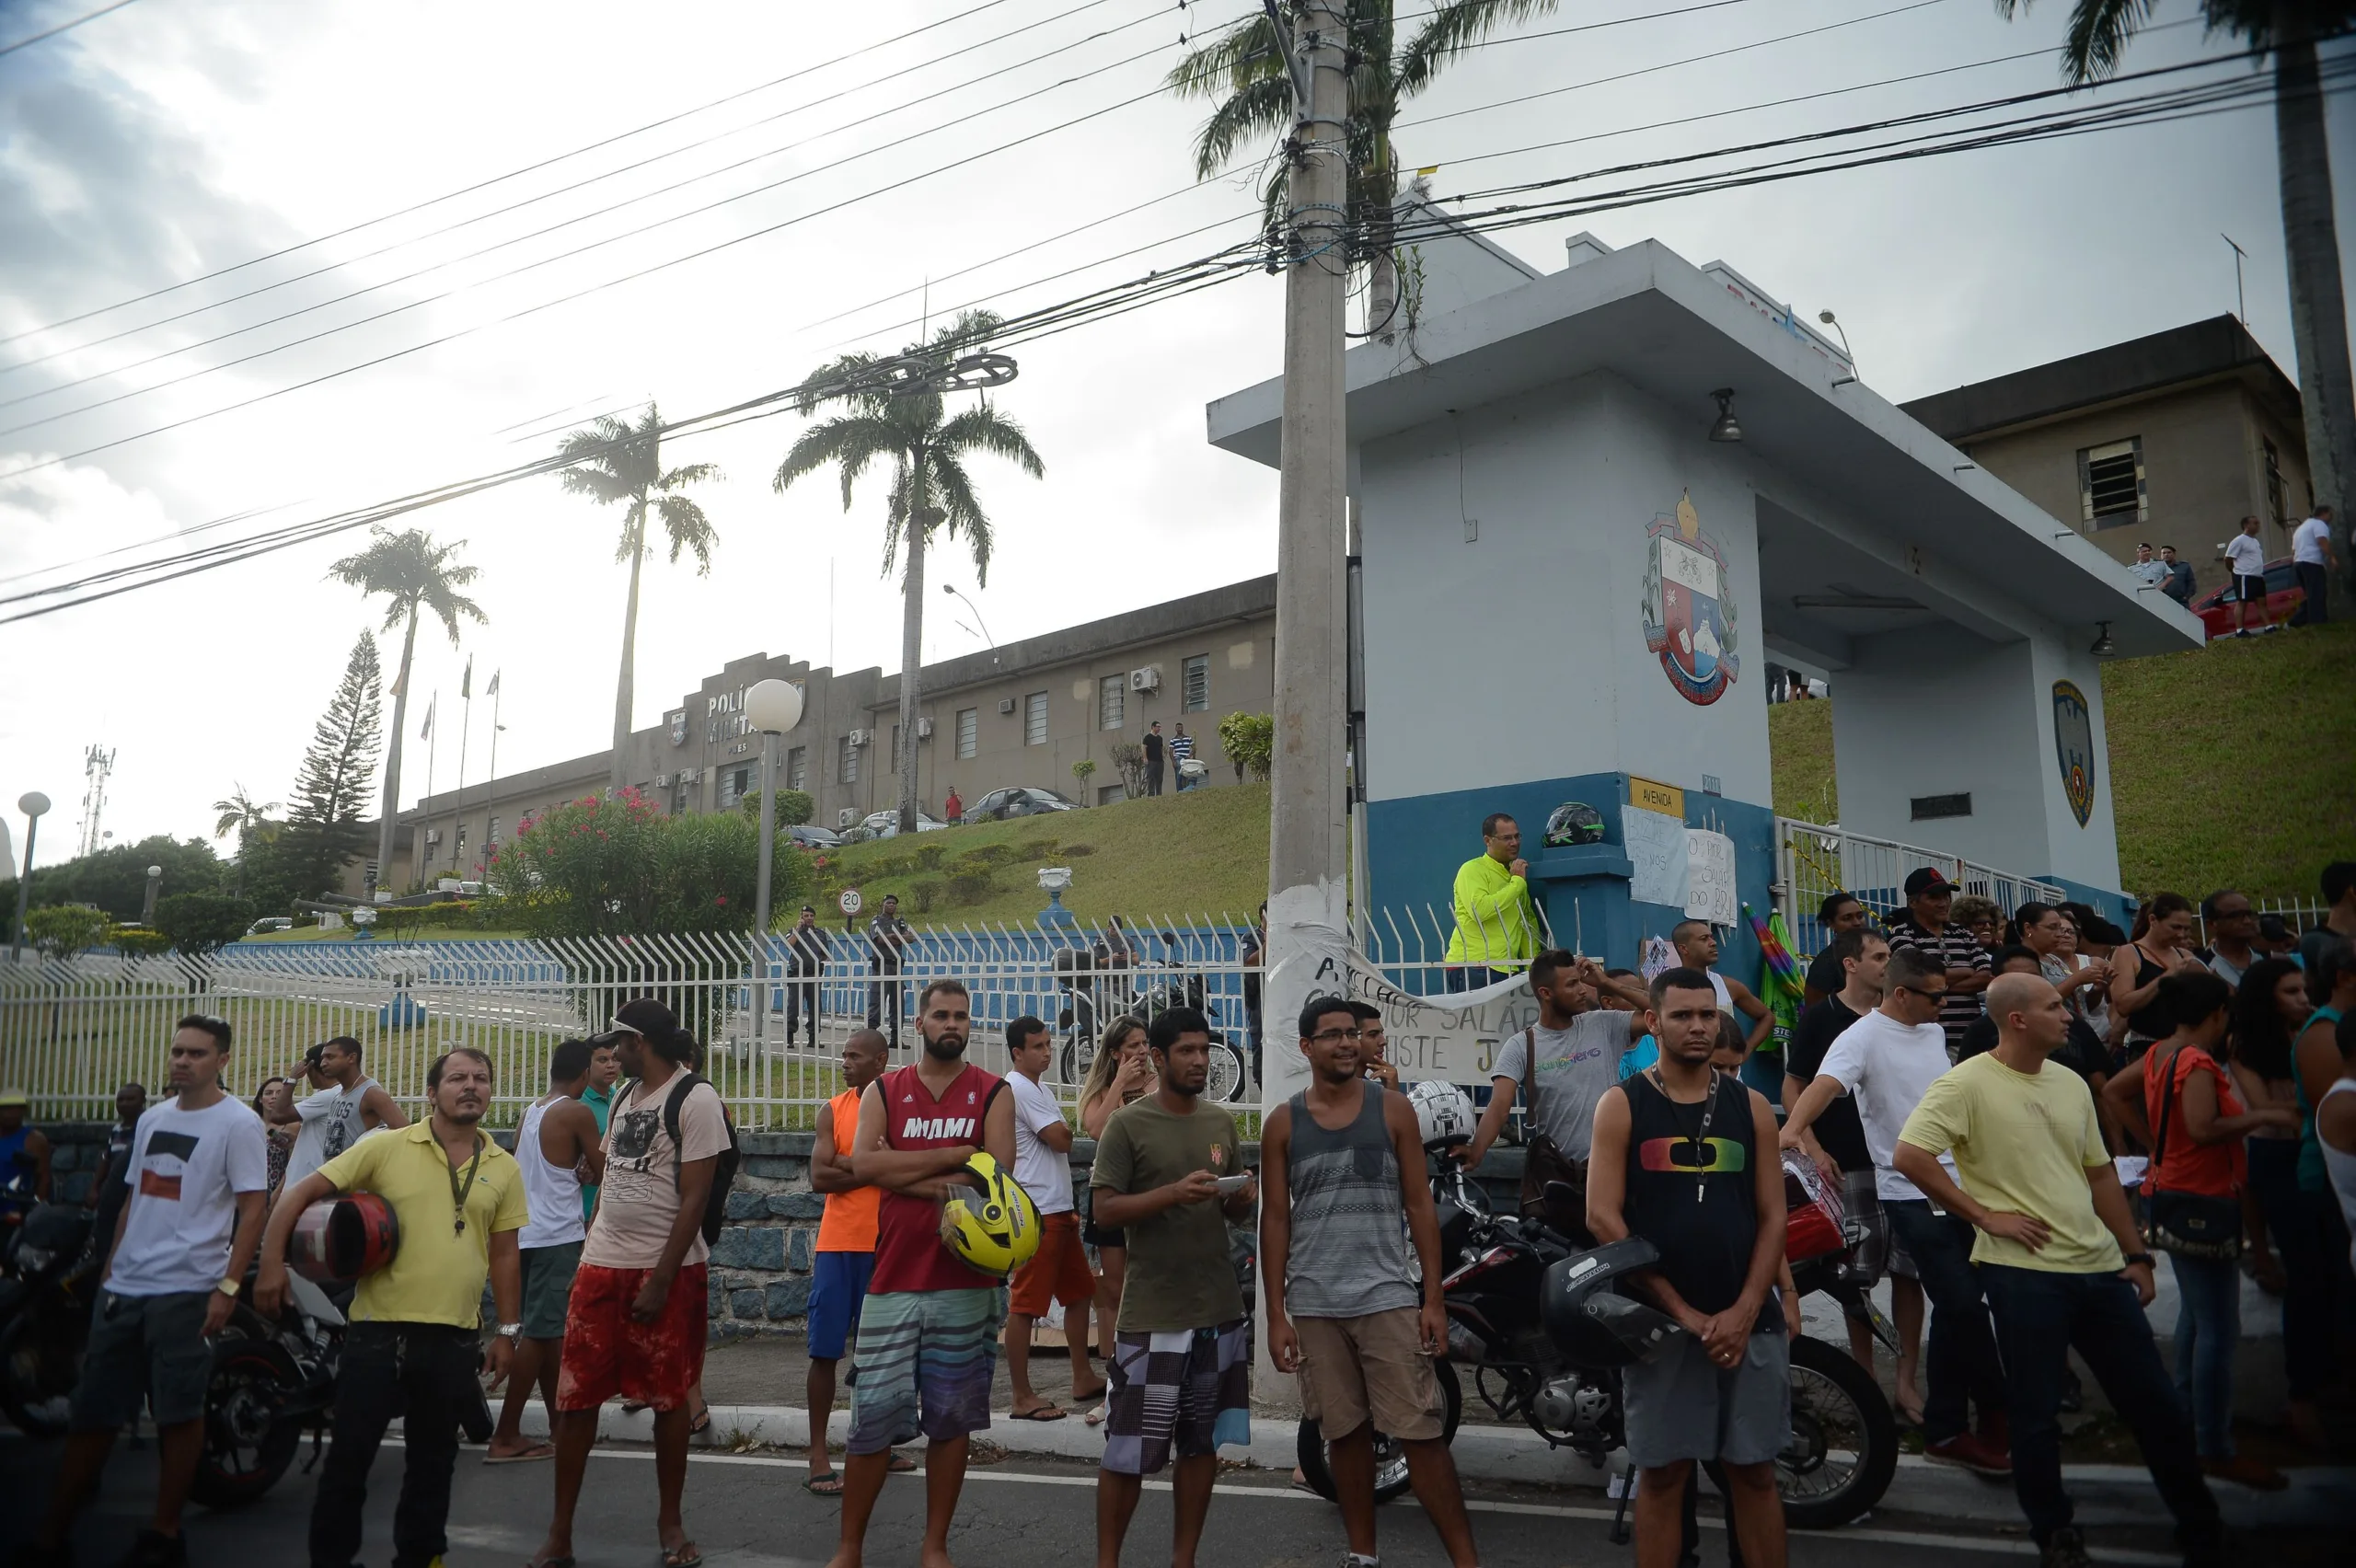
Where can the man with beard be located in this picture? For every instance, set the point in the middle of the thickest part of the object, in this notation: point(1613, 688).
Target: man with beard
point(347, 1105)
point(1169, 1172)
point(413, 1346)
point(928, 1329)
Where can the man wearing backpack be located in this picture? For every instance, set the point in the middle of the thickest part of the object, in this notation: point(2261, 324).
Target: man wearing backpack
point(635, 1324)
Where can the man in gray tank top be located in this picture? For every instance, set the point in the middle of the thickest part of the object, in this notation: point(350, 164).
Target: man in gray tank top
point(1343, 1171)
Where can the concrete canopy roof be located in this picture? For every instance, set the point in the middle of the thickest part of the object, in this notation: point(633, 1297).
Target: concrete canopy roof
point(1673, 332)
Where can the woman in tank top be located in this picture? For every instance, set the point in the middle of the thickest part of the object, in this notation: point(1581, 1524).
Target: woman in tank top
point(1121, 1073)
point(2161, 945)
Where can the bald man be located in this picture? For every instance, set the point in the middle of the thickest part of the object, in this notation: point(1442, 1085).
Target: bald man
point(2060, 1258)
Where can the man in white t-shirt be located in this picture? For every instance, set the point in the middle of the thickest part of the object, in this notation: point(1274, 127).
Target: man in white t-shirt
point(1058, 1271)
point(2246, 558)
point(2313, 558)
point(198, 1172)
point(347, 1106)
point(1886, 1062)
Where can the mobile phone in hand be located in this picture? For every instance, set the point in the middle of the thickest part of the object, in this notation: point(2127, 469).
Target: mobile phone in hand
point(1231, 1185)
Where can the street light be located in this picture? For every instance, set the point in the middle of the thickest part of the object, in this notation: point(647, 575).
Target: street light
point(147, 909)
point(33, 803)
point(950, 589)
point(772, 706)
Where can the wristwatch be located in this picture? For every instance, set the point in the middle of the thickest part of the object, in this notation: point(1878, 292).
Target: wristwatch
point(229, 1287)
point(511, 1331)
point(2143, 1258)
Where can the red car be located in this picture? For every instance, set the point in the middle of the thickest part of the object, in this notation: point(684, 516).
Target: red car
point(2219, 608)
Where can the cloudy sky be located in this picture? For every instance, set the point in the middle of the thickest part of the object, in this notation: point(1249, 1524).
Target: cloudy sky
point(176, 138)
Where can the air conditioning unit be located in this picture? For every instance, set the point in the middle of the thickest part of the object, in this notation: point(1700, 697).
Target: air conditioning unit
point(924, 729)
point(861, 737)
point(662, 781)
point(1147, 679)
point(433, 837)
point(691, 775)
point(1006, 705)
point(846, 817)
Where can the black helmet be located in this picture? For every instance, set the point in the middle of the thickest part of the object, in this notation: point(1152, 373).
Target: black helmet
point(1593, 1323)
point(1574, 822)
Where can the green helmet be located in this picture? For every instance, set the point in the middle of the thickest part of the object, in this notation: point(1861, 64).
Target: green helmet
point(1574, 822)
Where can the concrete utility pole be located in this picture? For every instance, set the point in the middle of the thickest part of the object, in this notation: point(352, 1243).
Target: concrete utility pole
point(1308, 918)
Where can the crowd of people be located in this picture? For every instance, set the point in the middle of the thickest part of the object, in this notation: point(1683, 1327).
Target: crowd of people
point(2314, 557)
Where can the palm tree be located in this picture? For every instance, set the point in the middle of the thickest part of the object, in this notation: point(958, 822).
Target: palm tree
point(412, 573)
point(2099, 33)
point(1244, 73)
point(616, 461)
point(930, 485)
point(246, 817)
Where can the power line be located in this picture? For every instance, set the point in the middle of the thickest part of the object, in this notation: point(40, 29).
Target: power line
point(62, 26)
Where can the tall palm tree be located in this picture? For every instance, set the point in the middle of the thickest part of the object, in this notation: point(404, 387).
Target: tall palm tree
point(2099, 33)
point(621, 461)
point(246, 817)
point(412, 573)
point(930, 485)
point(1243, 72)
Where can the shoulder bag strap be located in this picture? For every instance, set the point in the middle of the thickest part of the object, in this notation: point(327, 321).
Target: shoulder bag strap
point(1529, 1075)
point(2167, 1112)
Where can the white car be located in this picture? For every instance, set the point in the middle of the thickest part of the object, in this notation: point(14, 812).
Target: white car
point(886, 825)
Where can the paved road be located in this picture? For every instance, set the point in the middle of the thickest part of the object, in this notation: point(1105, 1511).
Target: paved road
point(748, 1511)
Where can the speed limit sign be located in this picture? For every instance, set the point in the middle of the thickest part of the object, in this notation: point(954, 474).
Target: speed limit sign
point(849, 901)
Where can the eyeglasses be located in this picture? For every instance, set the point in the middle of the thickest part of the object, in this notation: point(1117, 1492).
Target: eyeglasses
point(1927, 995)
point(1330, 1036)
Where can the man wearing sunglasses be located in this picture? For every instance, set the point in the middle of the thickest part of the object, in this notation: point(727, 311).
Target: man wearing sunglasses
point(1886, 1062)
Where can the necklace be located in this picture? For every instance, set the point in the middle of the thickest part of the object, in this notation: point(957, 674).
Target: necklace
point(458, 1193)
point(1701, 1133)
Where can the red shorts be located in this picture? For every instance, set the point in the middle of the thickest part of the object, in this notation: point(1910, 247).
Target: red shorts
point(1057, 1272)
point(608, 1352)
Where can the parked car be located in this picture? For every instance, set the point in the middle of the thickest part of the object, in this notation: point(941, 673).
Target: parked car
point(886, 824)
point(809, 838)
point(269, 923)
point(2219, 608)
point(1020, 802)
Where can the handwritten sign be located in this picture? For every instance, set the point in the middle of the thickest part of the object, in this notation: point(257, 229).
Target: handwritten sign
point(1667, 799)
point(1656, 843)
point(1709, 868)
point(1452, 1038)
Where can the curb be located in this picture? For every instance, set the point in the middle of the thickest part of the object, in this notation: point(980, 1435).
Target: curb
point(2320, 1496)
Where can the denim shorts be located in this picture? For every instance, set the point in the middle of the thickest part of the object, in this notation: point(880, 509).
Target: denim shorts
point(150, 1348)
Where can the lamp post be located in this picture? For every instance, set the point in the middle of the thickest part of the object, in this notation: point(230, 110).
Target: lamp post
point(147, 906)
point(950, 589)
point(33, 803)
point(772, 706)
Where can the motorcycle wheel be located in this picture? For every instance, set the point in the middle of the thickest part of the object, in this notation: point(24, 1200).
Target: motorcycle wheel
point(1390, 1458)
point(1844, 1441)
point(40, 1360)
point(247, 1447)
point(1226, 1073)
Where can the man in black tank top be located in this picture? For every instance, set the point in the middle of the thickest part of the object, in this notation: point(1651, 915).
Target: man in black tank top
point(1685, 1157)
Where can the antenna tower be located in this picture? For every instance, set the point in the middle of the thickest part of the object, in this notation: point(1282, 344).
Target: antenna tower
point(97, 763)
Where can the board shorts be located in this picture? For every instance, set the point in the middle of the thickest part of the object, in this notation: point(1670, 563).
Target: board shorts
point(1354, 1370)
point(144, 1349)
point(1058, 1272)
point(838, 1292)
point(608, 1352)
point(1186, 1390)
point(1861, 1202)
point(548, 1287)
point(1682, 1407)
point(925, 1362)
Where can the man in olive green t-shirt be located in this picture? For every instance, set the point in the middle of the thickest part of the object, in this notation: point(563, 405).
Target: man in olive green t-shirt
point(1181, 1365)
point(2061, 1260)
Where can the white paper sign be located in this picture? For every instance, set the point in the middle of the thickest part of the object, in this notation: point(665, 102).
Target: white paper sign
point(1656, 845)
point(1709, 869)
point(1452, 1038)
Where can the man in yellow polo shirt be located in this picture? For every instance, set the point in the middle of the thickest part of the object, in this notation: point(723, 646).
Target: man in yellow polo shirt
point(1497, 925)
point(415, 1344)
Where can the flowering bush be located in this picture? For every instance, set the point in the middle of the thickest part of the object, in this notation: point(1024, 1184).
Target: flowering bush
point(599, 867)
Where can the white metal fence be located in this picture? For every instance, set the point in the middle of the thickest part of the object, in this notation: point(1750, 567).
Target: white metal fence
point(1813, 861)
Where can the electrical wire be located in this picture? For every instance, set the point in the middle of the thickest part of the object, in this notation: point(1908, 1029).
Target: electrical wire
point(29, 42)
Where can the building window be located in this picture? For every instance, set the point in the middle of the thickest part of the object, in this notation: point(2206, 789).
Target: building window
point(1111, 701)
point(679, 796)
point(2275, 501)
point(1034, 719)
point(969, 725)
point(734, 784)
point(1196, 683)
point(797, 768)
point(490, 837)
point(846, 761)
point(896, 748)
point(2110, 484)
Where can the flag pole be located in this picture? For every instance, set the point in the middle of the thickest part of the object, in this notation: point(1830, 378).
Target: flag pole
point(491, 785)
point(433, 744)
point(466, 727)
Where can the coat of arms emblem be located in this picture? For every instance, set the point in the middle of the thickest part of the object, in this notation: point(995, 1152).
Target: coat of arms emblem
point(2074, 748)
point(678, 716)
point(1689, 606)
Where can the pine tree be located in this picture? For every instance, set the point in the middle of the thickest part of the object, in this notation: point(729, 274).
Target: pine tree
point(324, 831)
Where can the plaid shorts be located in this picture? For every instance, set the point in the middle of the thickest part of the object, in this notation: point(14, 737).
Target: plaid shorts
point(1188, 1389)
point(1861, 1204)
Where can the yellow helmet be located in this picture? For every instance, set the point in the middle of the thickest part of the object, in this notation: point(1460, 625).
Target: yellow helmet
point(995, 1229)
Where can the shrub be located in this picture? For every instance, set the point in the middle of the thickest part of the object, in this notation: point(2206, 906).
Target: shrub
point(1250, 740)
point(199, 923)
point(1129, 757)
point(64, 930)
point(929, 856)
point(795, 807)
point(972, 887)
point(924, 892)
point(597, 866)
point(1083, 770)
point(139, 942)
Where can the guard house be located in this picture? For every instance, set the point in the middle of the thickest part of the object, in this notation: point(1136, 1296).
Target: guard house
point(1577, 561)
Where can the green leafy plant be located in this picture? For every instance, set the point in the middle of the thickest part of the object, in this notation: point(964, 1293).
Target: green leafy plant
point(972, 887)
point(202, 924)
point(619, 866)
point(1129, 758)
point(924, 892)
point(795, 807)
point(139, 942)
point(1250, 742)
point(930, 857)
point(1083, 770)
point(64, 930)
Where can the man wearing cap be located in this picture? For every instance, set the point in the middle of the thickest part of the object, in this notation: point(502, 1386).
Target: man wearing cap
point(805, 961)
point(1926, 926)
point(21, 1144)
point(887, 942)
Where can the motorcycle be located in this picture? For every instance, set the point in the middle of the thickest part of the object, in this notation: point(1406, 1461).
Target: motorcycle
point(1095, 988)
point(1544, 1344)
point(271, 1381)
point(49, 1280)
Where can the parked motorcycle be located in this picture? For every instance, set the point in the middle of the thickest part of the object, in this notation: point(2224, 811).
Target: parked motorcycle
point(273, 1381)
point(1096, 991)
point(49, 1277)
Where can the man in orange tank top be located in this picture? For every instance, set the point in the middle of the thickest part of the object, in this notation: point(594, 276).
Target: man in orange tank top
point(846, 1253)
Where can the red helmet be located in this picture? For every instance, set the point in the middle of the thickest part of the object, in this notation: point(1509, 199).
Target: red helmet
point(337, 1241)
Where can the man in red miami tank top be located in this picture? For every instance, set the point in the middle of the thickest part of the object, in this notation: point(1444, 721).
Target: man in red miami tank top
point(928, 1334)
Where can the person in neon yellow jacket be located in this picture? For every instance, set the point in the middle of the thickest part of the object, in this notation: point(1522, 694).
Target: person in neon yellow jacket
point(1497, 925)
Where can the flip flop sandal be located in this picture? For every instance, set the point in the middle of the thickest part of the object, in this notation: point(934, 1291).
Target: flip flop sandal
point(700, 1421)
point(1096, 1417)
point(687, 1556)
point(1044, 1413)
point(901, 1465)
point(536, 1452)
point(818, 1485)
